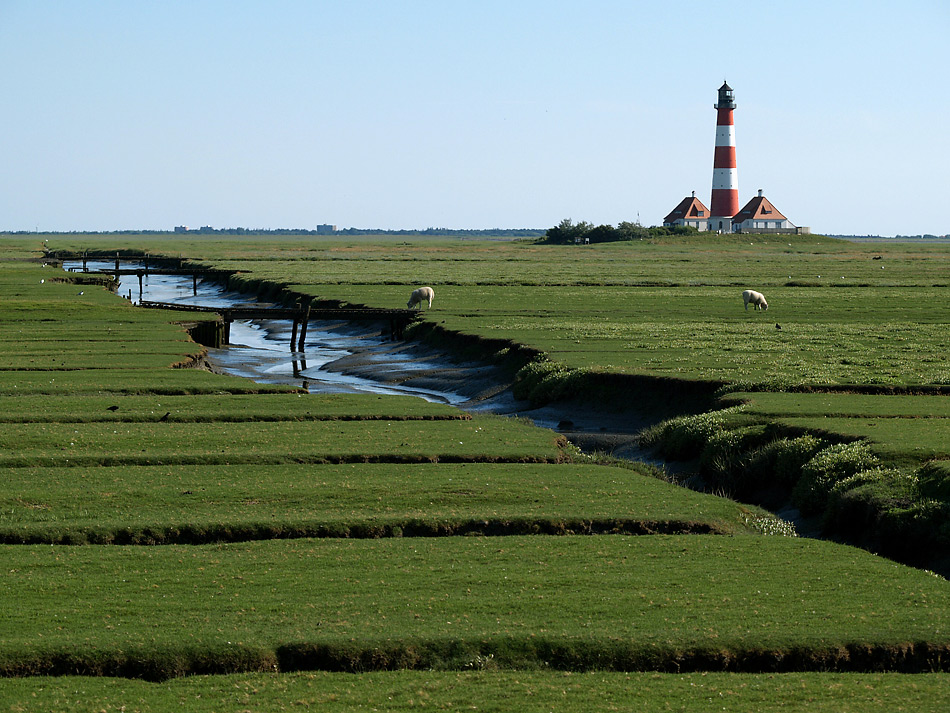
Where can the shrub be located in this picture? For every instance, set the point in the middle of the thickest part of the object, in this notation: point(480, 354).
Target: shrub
point(935, 480)
point(914, 532)
point(684, 437)
point(825, 469)
point(855, 504)
point(780, 462)
point(726, 455)
point(542, 381)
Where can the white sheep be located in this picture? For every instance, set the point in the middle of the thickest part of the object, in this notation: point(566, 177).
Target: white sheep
point(419, 296)
point(756, 298)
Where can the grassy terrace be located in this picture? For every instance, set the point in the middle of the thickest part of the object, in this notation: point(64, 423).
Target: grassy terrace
point(608, 602)
point(202, 503)
point(494, 690)
point(908, 430)
point(305, 507)
point(116, 408)
point(59, 444)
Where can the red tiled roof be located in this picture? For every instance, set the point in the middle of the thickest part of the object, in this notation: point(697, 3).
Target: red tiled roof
point(758, 207)
point(690, 207)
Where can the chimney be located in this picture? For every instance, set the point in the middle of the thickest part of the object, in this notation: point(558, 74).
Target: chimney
point(760, 193)
point(694, 194)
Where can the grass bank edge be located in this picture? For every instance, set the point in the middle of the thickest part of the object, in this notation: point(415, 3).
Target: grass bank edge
point(853, 493)
point(491, 689)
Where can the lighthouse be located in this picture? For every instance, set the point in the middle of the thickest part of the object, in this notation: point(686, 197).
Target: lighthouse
point(725, 184)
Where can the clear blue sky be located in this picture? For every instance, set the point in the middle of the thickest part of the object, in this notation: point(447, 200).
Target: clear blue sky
point(467, 114)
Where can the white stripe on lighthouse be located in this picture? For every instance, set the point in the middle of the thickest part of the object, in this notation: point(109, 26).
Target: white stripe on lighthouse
point(725, 178)
point(726, 135)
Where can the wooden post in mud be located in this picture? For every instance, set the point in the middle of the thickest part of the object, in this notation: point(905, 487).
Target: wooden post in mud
point(194, 283)
point(139, 274)
point(293, 333)
point(227, 326)
point(117, 266)
point(303, 326)
point(84, 261)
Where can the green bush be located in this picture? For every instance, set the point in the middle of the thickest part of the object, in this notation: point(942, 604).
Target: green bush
point(685, 437)
point(935, 480)
point(855, 505)
point(543, 381)
point(825, 469)
point(780, 462)
point(915, 531)
point(725, 458)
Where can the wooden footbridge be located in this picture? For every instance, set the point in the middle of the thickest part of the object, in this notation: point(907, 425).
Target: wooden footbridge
point(150, 266)
point(301, 315)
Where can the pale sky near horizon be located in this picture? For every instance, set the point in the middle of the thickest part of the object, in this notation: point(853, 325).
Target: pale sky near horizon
point(120, 114)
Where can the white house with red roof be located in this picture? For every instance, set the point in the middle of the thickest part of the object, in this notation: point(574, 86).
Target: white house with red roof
point(760, 216)
point(690, 212)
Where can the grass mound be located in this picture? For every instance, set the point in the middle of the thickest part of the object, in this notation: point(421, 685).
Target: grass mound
point(198, 504)
point(743, 603)
point(492, 689)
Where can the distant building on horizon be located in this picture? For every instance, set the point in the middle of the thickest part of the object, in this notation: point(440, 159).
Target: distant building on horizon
point(326, 229)
point(690, 212)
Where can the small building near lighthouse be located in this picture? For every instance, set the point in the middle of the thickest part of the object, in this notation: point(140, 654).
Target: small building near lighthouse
point(760, 216)
point(690, 212)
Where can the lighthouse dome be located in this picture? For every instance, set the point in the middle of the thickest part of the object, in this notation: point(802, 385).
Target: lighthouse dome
point(727, 98)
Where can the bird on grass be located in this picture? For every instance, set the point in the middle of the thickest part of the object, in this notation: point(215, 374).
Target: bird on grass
point(165, 417)
point(778, 326)
point(112, 408)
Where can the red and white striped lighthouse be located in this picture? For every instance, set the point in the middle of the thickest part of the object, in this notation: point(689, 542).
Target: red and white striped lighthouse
point(725, 184)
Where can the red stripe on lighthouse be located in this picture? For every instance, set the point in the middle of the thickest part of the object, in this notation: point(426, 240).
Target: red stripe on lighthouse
point(725, 157)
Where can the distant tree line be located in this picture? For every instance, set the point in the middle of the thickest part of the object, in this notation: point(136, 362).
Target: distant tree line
point(925, 236)
point(567, 231)
point(486, 233)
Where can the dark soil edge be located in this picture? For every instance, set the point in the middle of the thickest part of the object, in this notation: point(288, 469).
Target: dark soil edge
point(563, 654)
point(227, 533)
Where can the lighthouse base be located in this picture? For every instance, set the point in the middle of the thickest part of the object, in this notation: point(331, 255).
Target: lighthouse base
point(720, 224)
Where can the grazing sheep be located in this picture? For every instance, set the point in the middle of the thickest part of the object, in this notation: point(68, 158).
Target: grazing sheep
point(756, 298)
point(419, 296)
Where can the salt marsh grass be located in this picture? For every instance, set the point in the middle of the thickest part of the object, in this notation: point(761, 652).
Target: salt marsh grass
point(668, 310)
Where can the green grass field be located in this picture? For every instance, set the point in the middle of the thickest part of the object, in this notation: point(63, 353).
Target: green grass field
point(57, 408)
point(235, 461)
point(528, 691)
point(196, 503)
point(59, 444)
point(573, 602)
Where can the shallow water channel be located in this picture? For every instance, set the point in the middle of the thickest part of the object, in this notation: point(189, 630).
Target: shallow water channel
point(343, 357)
point(261, 349)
